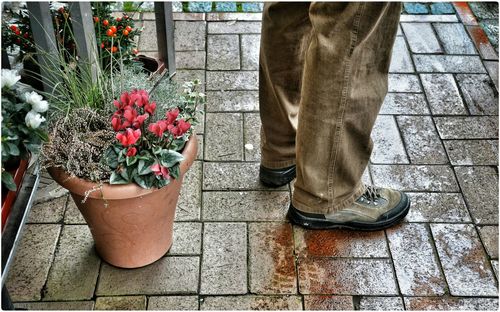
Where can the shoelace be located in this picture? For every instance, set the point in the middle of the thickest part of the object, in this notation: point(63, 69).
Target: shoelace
point(371, 193)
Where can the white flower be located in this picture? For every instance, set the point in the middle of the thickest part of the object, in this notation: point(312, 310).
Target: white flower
point(9, 78)
point(36, 101)
point(57, 5)
point(33, 119)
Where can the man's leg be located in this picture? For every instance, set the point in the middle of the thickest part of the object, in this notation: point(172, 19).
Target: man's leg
point(343, 87)
point(285, 36)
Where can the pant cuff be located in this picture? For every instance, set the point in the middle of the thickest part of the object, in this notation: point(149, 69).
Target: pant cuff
point(277, 164)
point(325, 207)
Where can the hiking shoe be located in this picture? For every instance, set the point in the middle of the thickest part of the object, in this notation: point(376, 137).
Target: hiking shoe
point(376, 209)
point(276, 177)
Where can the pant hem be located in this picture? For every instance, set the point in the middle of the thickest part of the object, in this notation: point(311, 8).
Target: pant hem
point(325, 208)
point(277, 164)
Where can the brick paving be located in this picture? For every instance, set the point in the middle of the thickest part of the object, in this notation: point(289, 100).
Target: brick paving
point(234, 249)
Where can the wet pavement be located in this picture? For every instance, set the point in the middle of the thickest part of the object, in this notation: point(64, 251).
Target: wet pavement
point(436, 138)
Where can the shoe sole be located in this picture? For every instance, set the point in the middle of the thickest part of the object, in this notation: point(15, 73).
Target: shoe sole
point(277, 179)
point(314, 224)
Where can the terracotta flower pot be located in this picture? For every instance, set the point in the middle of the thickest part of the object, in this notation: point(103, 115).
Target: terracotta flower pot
point(131, 226)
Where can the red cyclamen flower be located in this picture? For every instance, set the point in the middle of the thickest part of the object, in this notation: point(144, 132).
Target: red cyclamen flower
point(158, 128)
point(160, 171)
point(172, 115)
point(180, 128)
point(130, 137)
point(150, 108)
point(139, 97)
point(132, 151)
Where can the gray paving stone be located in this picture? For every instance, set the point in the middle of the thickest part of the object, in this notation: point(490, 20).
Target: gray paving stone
point(442, 94)
point(184, 75)
point(176, 303)
point(232, 80)
point(224, 265)
point(467, 127)
point(404, 83)
point(251, 134)
point(169, 275)
point(245, 206)
point(250, 48)
point(252, 302)
point(480, 188)
point(234, 27)
point(201, 139)
point(224, 137)
point(489, 237)
point(381, 304)
point(404, 103)
point(233, 176)
point(187, 239)
point(388, 145)
point(401, 60)
point(454, 38)
point(448, 63)
point(230, 101)
point(328, 303)
point(223, 52)
point(492, 68)
point(448, 18)
point(189, 36)
point(463, 259)
point(437, 207)
point(121, 303)
point(48, 212)
point(32, 261)
point(56, 305)
point(147, 39)
point(72, 214)
point(228, 16)
point(190, 59)
point(417, 269)
point(472, 152)
point(451, 304)
point(346, 276)
point(271, 259)
point(421, 38)
point(187, 16)
point(340, 243)
point(74, 272)
point(494, 264)
point(422, 140)
point(479, 94)
point(189, 205)
point(483, 44)
point(434, 178)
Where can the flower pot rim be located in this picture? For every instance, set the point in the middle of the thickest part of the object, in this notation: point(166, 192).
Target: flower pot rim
point(107, 191)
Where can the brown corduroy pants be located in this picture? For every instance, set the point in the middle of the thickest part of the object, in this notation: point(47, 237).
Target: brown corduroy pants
point(323, 78)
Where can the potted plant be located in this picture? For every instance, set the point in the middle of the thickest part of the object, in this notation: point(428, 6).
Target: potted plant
point(23, 132)
point(131, 216)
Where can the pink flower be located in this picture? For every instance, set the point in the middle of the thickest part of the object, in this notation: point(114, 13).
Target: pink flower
point(132, 151)
point(130, 137)
point(139, 120)
point(125, 99)
point(160, 171)
point(180, 128)
point(139, 97)
point(130, 114)
point(172, 115)
point(158, 128)
point(116, 123)
point(150, 108)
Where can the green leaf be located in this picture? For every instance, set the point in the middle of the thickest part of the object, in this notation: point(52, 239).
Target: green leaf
point(125, 175)
point(157, 150)
point(144, 167)
point(13, 149)
point(175, 171)
point(131, 160)
point(32, 147)
point(170, 158)
point(8, 181)
point(141, 181)
point(111, 158)
point(121, 156)
point(5, 149)
point(117, 179)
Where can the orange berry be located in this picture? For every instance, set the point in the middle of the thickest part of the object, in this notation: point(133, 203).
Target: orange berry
point(109, 32)
point(17, 32)
point(105, 22)
point(102, 45)
point(118, 19)
point(114, 49)
point(125, 32)
point(96, 19)
point(13, 27)
point(113, 28)
point(128, 28)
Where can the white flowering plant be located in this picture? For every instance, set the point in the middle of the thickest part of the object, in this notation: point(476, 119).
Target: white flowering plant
point(23, 123)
